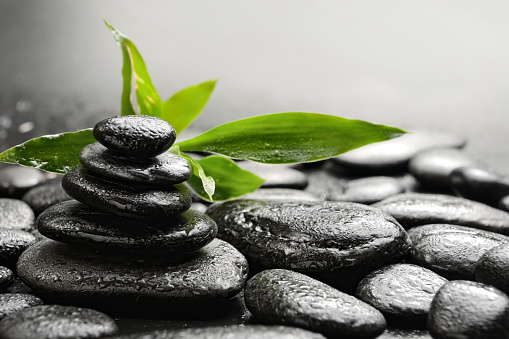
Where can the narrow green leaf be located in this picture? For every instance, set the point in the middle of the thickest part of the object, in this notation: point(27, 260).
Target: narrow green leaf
point(293, 137)
point(147, 98)
point(57, 153)
point(231, 180)
point(184, 106)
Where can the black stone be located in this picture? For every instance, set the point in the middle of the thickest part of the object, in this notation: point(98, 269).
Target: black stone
point(6, 278)
point(289, 298)
point(48, 194)
point(493, 268)
point(12, 244)
point(13, 302)
point(450, 250)
point(17, 180)
point(74, 223)
point(135, 136)
point(479, 184)
point(285, 194)
point(222, 332)
point(367, 190)
point(16, 214)
point(402, 292)
point(276, 176)
point(414, 209)
point(166, 169)
point(126, 200)
point(64, 273)
point(401, 333)
point(467, 309)
point(57, 321)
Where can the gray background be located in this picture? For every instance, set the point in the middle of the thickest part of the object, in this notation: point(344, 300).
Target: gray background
point(412, 64)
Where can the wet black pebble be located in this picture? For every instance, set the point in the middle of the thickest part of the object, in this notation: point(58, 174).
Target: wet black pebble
point(16, 180)
point(467, 309)
point(135, 136)
point(6, 278)
point(367, 190)
point(48, 194)
point(402, 292)
point(75, 223)
point(12, 244)
point(276, 176)
point(290, 298)
point(13, 302)
point(166, 168)
point(227, 332)
point(284, 194)
point(56, 321)
point(450, 250)
point(401, 333)
point(126, 200)
point(479, 184)
point(16, 214)
point(413, 209)
point(493, 268)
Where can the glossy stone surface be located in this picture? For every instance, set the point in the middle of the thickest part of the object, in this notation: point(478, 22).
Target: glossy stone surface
point(13, 302)
point(167, 168)
point(6, 278)
point(16, 214)
point(367, 190)
point(135, 136)
point(402, 292)
point(413, 209)
point(479, 184)
point(283, 194)
point(17, 180)
point(72, 274)
point(57, 321)
point(74, 223)
point(48, 194)
point(276, 176)
point(493, 268)
point(228, 332)
point(467, 309)
point(450, 250)
point(12, 244)
point(289, 298)
point(126, 200)
point(310, 236)
point(400, 333)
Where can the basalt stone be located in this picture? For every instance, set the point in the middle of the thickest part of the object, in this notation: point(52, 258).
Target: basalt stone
point(493, 268)
point(479, 184)
point(13, 302)
point(227, 332)
point(285, 194)
point(289, 298)
point(65, 273)
point(433, 167)
point(19, 286)
point(402, 292)
point(16, 214)
point(135, 136)
point(57, 321)
point(74, 223)
point(336, 240)
point(6, 278)
point(414, 209)
point(394, 155)
point(367, 190)
point(17, 180)
point(401, 333)
point(12, 244)
point(126, 200)
point(467, 309)
point(48, 194)
point(166, 169)
point(450, 250)
point(276, 176)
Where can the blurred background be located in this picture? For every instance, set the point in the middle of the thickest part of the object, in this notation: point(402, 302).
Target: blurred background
point(412, 64)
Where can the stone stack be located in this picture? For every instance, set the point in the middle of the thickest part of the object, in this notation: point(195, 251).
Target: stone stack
point(130, 238)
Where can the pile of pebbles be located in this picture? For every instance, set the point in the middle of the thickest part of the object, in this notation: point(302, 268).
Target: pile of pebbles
point(403, 239)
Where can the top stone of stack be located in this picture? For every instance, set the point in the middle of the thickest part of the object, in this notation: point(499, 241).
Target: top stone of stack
point(135, 136)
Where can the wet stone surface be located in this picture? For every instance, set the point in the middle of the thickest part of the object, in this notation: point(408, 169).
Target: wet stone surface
point(167, 168)
point(290, 298)
point(16, 180)
point(367, 190)
point(493, 268)
point(126, 200)
point(283, 194)
point(75, 223)
point(13, 302)
point(56, 321)
point(48, 194)
point(12, 244)
point(16, 214)
point(414, 209)
point(479, 184)
point(402, 292)
point(6, 278)
point(135, 136)
point(276, 176)
point(398, 333)
point(467, 309)
point(450, 250)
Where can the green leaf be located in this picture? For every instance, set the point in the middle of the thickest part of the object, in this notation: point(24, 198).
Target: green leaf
point(184, 106)
point(148, 101)
point(293, 137)
point(57, 153)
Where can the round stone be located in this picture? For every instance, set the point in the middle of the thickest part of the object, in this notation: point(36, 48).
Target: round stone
point(16, 214)
point(479, 184)
point(13, 302)
point(367, 190)
point(289, 298)
point(276, 176)
point(16, 180)
point(12, 244)
point(467, 309)
point(48, 194)
point(135, 136)
point(74, 223)
point(6, 278)
point(402, 292)
point(285, 194)
point(167, 168)
point(126, 200)
point(57, 321)
point(493, 268)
